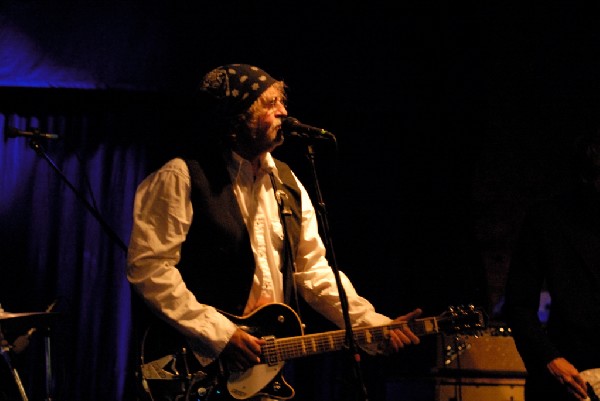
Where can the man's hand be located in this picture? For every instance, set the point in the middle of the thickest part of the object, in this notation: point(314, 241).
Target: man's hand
point(242, 351)
point(568, 376)
point(401, 337)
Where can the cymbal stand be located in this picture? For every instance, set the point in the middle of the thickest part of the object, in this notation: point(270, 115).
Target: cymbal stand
point(48, 364)
point(5, 350)
point(20, 344)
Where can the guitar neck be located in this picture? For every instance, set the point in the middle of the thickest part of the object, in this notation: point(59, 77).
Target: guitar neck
point(282, 349)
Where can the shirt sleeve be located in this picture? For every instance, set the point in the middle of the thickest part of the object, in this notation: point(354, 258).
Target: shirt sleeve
point(162, 214)
point(315, 279)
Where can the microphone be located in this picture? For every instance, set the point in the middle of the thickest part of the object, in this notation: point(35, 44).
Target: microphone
point(12, 132)
point(294, 128)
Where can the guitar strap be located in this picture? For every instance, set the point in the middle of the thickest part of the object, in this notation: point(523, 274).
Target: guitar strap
point(285, 215)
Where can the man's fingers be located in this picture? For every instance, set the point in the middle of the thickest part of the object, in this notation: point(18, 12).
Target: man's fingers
point(416, 313)
point(412, 315)
point(243, 350)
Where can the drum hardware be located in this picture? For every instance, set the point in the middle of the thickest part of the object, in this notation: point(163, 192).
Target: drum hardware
point(7, 315)
point(35, 319)
point(4, 351)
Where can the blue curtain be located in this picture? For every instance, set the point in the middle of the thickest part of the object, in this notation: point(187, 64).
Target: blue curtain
point(65, 217)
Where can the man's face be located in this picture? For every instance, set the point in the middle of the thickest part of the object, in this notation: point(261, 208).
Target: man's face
point(266, 134)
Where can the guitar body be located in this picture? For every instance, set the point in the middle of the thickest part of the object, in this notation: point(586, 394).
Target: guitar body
point(170, 371)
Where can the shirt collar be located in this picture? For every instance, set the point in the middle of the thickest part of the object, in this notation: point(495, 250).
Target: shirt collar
point(235, 164)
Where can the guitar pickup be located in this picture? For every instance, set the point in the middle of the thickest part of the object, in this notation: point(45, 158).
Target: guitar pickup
point(269, 353)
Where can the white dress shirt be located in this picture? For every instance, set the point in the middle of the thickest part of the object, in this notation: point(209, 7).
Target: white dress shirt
point(161, 219)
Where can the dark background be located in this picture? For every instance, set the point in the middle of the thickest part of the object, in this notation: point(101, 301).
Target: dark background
point(450, 118)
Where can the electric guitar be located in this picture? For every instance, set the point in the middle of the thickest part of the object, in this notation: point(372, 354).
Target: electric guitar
point(171, 371)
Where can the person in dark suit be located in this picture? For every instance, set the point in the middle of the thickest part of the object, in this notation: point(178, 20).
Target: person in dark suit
point(558, 251)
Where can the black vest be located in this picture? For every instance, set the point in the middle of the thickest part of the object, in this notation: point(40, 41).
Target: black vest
point(217, 263)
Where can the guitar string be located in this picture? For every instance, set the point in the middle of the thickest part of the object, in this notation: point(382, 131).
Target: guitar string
point(288, 348)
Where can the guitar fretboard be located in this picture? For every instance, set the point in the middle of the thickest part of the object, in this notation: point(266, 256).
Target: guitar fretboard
point(278, 350)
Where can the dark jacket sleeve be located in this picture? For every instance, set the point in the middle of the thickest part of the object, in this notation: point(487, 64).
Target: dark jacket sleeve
point(525, 281)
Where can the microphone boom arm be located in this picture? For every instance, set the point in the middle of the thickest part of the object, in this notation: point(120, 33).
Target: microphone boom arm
point(34, 143)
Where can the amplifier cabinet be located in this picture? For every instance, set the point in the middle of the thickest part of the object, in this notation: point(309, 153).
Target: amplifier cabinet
point(490, 353)
point(484, 389)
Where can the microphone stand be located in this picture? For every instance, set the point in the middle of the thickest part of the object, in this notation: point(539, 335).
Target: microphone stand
point(322, 217)
point(35, 144)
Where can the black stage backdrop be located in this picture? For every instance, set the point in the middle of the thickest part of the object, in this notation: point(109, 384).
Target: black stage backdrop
point(450, 117)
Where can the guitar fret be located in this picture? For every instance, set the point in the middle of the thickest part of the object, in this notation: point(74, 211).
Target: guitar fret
point(289, 348)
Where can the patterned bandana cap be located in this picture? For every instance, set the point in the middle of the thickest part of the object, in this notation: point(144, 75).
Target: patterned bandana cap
point(234, 87)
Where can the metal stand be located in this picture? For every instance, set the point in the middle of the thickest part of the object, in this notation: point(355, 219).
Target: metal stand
point(5, 350)
point(22, 342)
point(35, 144)
point(48, 365)
point(351, 345)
